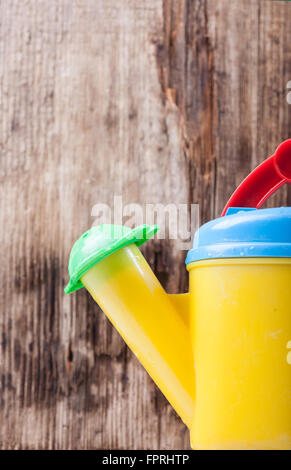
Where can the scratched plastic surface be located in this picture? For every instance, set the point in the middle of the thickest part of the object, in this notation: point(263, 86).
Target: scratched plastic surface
point(241, 333)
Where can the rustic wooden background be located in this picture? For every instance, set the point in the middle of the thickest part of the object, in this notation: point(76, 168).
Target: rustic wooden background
point(157, 101)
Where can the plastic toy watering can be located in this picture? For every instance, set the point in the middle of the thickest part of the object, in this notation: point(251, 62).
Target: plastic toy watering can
point(220, 353)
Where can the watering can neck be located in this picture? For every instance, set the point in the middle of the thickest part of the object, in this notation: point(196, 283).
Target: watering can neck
point(181, 303)
point(154, 324)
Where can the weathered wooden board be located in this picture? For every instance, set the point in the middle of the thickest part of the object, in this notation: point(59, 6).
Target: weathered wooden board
point(157, 101)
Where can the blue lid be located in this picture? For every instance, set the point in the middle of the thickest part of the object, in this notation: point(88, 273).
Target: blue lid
point(244, 232)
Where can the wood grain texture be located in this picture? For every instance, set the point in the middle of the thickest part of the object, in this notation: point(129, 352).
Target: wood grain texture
point(157, 101)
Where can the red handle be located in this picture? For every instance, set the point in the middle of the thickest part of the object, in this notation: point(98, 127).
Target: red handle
point(264, 180)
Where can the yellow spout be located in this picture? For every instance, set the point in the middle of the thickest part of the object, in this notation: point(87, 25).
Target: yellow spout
point(155, 325)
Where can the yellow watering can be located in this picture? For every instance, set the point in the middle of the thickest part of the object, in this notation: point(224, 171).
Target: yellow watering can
point(220, 353)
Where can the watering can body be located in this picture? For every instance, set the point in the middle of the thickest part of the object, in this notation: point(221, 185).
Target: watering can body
point(220, 353)
point(240, 329)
